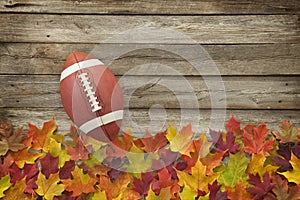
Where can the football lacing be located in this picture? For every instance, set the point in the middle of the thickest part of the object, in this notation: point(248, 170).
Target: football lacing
point(88, 89)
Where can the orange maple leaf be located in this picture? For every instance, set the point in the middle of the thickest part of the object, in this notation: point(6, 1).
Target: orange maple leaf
point(256, 140)
point(152, 143)
point(40, 137)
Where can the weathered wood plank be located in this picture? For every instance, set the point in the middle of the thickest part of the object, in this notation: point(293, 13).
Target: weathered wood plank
point(152, 7)
point(20, 117)
point(203, 29)
point(241, 92)
point(263, 59)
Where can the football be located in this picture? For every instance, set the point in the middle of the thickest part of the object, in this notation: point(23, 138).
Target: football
point(91, 96)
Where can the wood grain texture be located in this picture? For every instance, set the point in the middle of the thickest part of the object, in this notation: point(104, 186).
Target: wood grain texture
point(169, 91)
point(48, 58)
point(20, 117)
point(237, 29)
point(152, 7)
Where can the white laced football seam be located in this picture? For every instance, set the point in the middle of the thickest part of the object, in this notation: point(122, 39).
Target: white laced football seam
point(88, 89)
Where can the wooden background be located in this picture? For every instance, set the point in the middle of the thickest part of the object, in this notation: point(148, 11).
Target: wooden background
point(256, 45)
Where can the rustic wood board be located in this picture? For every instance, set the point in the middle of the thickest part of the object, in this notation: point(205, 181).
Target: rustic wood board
point(241, 92)
point(186, 7)
point(236, 29)
point(243, 59)
point(22, 116)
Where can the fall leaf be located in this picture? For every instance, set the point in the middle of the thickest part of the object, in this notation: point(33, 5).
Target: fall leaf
point(234, 126)
point(257, 165)
point(4, 184)
point(261, 187)
point(235, 171)
point(142, 185)
point(65, 171)
point(5, 164)
point(17, 192)
point(41, 137)
point(151, 143)
point(99, 195)
point(294, 175)
point(238, 192)
point(228, 146)
point(256, 141)
point(10, 140)
point(79, 152)
point(187, 193)
point(49, 165)
point(198, 180)
point(215, 193)
point(29, 171)
point(81, 183)
point(179, 142)
point(164, 181)
point(287, 133)
point(48, 188)
point(282, 191)
point(137, 160)
point(24, 156)
point(114, 189)
point(164, 194)
point(212, 160)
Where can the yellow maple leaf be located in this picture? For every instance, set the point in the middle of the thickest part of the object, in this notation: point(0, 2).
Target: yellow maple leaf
point(187, 193)
point(164, 194)
point(99, 195)
point(257, 165)
point(179, 142)
point(4, 184)
point(198, 180)
point(17, 192)
point(81, 183)
point(293, 176)
point(48, 188)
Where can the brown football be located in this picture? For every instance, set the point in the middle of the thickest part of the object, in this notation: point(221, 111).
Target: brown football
point(91, 96)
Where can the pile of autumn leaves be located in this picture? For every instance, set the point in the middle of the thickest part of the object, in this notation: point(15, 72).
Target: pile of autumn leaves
point(248, 163)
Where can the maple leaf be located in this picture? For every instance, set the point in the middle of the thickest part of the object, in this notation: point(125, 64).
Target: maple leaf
point(152, 143)
point(128, 194)
point(198, 180)
point(24, 156)
point(228, 146)
point(17, 192)
point(282, 191)
point(215, 193)
point(287, 133)
point(137, 160)
point(4, 184)
point(238, 192)
point(5, 163)
point(187, 193)
point(294, 175)
point(164, 194)
point(256, 141)
point(179, 142)
point(49, 165)
point(261, 187)
point(212, 160)
point(234, 126)
point(10, 140)
point(235, 171)
point(114, 189)
point(142, 185)
point(79, 152)
point(41, 137)
point(29, 171)
point(48, 188)
point(164, 181)
point(257, 165)
point(65, 171)
point(119, 147)
point(99, 195)
point(81, 183)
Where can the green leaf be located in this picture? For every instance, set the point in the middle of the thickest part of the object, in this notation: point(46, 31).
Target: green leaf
point(235, 171)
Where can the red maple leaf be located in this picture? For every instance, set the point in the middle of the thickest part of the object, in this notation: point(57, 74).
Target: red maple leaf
point(234, 126)
point(49, 165)
point(256, 140)
point(5, 163)
point(261, 187)
point(228, 146)
point(165, 180)
point(31, 173)
point(215, 192)
point(152, 143)
point(65, 171)
point(142, 186)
